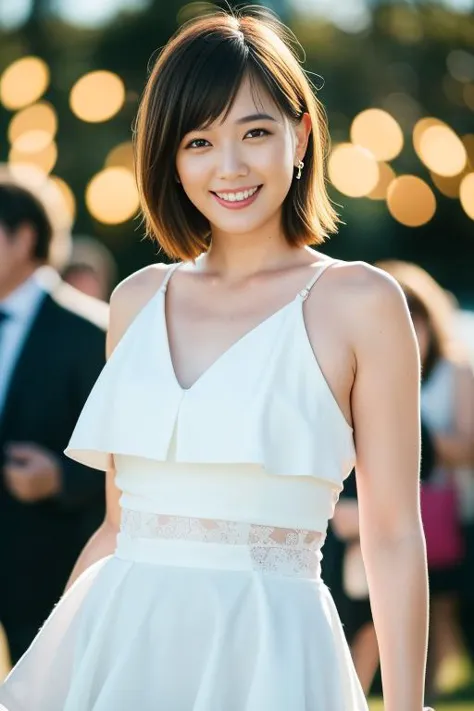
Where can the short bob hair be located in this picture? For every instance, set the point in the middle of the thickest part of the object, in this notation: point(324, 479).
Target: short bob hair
point(195, 81)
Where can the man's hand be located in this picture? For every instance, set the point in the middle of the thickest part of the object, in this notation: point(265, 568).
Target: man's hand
point(31, 472)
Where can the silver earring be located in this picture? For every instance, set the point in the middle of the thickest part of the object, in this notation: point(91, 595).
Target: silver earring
point(300, 167)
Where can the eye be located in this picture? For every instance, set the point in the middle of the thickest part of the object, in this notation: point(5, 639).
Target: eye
point(258, 133)
point(197, 143)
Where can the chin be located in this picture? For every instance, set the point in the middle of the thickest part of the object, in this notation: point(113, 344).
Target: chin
point(237, 227)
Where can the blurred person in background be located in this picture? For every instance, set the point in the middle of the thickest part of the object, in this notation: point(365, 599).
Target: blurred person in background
point(91, 268)
point(447, 406)
point(52, 347)
point(464, 323)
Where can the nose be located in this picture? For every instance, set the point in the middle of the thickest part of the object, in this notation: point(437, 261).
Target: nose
point(231, 164)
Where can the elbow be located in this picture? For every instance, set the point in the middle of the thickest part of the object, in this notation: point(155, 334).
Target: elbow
point(390, 531)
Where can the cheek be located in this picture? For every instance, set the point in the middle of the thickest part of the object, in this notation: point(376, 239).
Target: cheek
point(277, 158)
point(194, 171)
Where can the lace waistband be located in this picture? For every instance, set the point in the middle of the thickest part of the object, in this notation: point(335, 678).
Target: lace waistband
point(293, 552)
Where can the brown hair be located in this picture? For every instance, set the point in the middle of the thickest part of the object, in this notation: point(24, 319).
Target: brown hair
point(194, 81)
point(428, 301)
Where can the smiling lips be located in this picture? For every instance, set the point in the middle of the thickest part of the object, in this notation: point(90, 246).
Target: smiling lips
point(238, 198)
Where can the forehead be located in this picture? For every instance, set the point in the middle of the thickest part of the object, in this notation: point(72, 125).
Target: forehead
point(251, 98)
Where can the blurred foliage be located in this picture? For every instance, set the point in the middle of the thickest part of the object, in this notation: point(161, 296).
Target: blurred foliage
point(403, 52)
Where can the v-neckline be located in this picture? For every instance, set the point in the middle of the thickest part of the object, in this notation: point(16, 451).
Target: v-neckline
point(225, 354)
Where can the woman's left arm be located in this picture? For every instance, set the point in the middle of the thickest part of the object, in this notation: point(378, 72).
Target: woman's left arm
point(385, 408)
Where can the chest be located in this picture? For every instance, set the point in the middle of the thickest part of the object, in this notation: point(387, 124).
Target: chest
point(202, 336)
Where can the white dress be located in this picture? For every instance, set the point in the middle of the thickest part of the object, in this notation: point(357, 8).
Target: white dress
point(212, 600)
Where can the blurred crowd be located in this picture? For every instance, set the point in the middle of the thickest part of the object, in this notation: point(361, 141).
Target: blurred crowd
point(53, 322)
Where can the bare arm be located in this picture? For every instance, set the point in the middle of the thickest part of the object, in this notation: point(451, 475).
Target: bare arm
point(127, 299)
point(103, 541)
point(385, 407)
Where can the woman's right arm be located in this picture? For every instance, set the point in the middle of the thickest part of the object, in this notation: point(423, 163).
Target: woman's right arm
point(103, 541)
point(125, 303)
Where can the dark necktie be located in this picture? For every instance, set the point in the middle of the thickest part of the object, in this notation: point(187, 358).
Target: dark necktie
point(3, 319)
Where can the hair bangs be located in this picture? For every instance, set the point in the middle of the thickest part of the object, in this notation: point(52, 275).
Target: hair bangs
point(211, 85)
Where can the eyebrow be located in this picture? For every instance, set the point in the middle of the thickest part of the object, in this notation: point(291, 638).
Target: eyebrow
point(255, 117)
point(247, 119)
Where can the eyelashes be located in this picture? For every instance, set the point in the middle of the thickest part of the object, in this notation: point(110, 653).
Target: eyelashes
point(203, 141)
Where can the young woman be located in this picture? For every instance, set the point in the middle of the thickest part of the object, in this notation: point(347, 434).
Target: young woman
point(242, 384)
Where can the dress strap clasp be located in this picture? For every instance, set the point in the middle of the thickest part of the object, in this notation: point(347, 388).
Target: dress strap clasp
point(169, 273)
point(304, 293)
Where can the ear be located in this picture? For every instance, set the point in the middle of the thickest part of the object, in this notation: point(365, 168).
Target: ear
point(302, 131)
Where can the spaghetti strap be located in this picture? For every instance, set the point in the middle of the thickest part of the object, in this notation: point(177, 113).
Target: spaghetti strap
point(169, 274)
point(304, 293)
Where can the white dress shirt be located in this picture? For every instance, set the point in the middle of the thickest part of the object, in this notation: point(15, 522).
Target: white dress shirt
point(21, 307)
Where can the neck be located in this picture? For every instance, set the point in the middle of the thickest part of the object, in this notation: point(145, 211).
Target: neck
point(16, 279)
point(236, 256)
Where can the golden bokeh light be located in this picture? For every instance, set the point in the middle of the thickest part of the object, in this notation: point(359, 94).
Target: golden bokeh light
point(33, 128)
point(44, 159)
point(419, 129)
point(468, 143)
point(386, 175)
point(379, 132)
point(32, 141)
point(466, 195)
point(112, 196)
point(68, 198)
point(27, 174)
point(353, 170)
point(97, 96)
point(411, 201)
point(448, 185)
point(23, 82)
point(442, 151)
point(121, 156)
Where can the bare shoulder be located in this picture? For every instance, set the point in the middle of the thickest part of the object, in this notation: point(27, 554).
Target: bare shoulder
point(129, 297)
point(371, 299)
point(364, 281)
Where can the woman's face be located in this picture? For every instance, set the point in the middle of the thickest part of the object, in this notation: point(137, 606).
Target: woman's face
point(238, 171)
point(423, 336)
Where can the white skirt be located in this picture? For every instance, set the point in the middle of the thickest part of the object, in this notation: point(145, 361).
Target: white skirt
point(170, 624)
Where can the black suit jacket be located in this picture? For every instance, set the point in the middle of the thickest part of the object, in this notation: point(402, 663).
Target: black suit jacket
point(57, 367)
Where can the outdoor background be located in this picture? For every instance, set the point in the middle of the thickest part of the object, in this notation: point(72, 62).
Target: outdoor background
point(396, 78)
point(412, 60)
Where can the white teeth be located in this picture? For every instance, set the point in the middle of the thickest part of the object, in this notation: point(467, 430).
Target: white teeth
point(236, 197)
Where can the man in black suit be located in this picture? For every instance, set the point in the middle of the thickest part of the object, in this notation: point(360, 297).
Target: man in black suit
point(52, 348)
